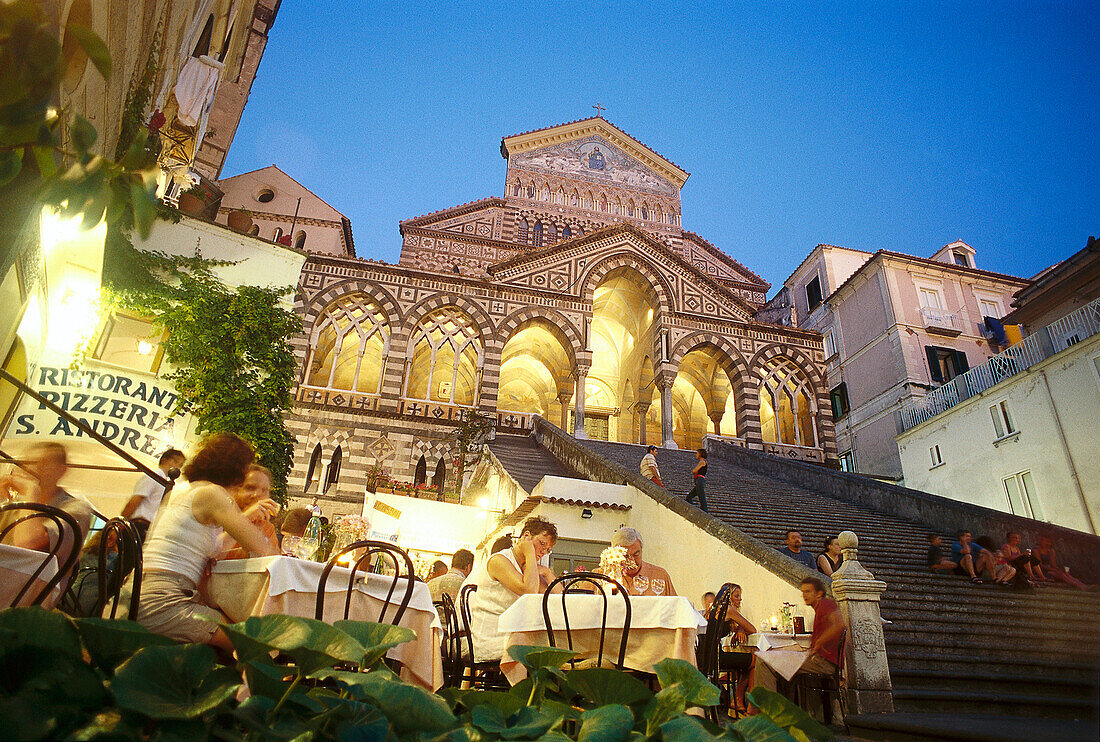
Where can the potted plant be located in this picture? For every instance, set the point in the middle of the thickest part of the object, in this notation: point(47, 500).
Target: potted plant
point(193, 201)
point(375, 476)
point(240, 220)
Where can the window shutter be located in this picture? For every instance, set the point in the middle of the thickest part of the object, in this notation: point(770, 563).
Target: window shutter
point(934, 363)
point(960, 362)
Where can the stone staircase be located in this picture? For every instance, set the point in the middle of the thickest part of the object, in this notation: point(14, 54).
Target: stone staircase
point(972, 651)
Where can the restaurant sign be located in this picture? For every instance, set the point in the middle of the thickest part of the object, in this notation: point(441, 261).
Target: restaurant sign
point(132, 410)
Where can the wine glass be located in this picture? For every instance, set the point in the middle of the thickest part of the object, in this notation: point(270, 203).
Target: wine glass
point(658, 585)
point(290, 545)
point(306, 548)
point(641, 584)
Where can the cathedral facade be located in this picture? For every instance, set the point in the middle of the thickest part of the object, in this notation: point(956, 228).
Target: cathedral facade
point(577, 296)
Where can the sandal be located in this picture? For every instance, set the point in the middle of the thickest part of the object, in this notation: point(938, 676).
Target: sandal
point(976, 580)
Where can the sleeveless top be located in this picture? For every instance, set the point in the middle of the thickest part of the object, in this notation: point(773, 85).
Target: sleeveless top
point(702, 472)
point(177, 542)
point(491, 599)
point(835, 565)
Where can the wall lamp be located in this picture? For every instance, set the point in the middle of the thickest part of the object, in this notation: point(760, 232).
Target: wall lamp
point(586, 513)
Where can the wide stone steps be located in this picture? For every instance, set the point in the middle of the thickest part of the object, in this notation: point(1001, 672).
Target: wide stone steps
point(953, 646)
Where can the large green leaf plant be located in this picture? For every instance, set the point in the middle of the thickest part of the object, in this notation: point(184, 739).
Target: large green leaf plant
point(300, 679)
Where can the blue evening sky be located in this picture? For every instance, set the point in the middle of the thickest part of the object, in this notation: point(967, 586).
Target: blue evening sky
point(886, 125)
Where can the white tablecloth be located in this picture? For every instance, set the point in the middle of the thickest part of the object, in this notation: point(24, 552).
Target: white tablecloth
point(766, 640)
point(660, 626)
point(279, 584)
point(16, 567)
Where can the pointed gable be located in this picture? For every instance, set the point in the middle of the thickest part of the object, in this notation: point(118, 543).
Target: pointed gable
point(568, 268)
point(594, 149)
point(243, 191)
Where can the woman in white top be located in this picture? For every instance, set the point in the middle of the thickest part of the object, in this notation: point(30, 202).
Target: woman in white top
point(509, 574)
point(185, 537)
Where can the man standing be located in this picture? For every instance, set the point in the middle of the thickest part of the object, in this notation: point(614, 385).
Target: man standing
point(823, 656)
point(142, 507)
point(315, 508)
point(649, 466)
point(462, 563)
point(793, 549)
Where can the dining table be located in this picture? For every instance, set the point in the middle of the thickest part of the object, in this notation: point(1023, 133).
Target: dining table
point(661, 626)
point(287, 585)
point(783, 653)
point(17, 566)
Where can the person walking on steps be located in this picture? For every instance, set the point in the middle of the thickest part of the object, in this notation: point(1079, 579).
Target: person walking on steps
point(699, 479)
point(649, 468)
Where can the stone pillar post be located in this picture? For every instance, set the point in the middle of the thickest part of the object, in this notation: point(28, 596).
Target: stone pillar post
point(664, 383)
point(716, 420)
point(563, 402)
point(857, 593)
point(580, 373)
point(640, 411)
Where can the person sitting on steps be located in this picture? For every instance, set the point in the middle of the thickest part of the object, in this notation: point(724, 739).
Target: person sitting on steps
point(829, 560)
point(794, 550)
point(970, 558)
point(936, 560)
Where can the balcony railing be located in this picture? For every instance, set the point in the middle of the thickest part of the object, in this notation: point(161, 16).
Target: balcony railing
point(1054, 338)
point(940, 321)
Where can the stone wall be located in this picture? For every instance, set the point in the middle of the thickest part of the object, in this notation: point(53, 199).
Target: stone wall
point(945, 516)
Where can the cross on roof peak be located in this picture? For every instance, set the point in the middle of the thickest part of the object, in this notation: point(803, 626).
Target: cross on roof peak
point(599, 110)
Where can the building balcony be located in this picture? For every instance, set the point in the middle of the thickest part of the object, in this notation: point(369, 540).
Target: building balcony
point(941, 322)
point(1050, 340)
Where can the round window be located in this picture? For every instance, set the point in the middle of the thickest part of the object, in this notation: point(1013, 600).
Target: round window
point(266, 195)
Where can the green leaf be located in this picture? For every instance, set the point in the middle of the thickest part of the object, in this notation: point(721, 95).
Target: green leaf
point(110, 642)
point(93, 46)
point(177, 682)
point(488, 718)
point(311, 644)
point(687, 729)
point(535, 657)
point(408, 707)
point(11, 162)
point(267, 679)
point(669, 703)
point(602, 685)
point(83, 133)
point(108, 724)
point(506, 703)
point(787, 715)
point(44, 158)
point(45, 692)
point(36, 627)
point(760, 728)
point(696, 688)
point(611, 723)
point(376, 638)
point(145, 209)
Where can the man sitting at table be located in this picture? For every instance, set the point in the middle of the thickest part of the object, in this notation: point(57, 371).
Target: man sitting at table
point(254, 498)
point(640, 577)
point(508, 574)
point(462, 563)
point(47, 464)
point(823, 655)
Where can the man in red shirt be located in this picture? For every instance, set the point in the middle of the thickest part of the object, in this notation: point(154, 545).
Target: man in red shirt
point(823, 656)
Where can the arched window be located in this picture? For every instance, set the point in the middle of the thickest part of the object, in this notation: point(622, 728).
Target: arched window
point(202, 46)
point(439, 480)
point(300, 240)
point(587, 200)
point(544, 193)
point(278, 234)
point(521, 231)
point(517, 189)
point(658, 215)
point(617, 207)
point(565, 233)
point(445, 359)
point(348, 345)
point(537, 235)
point(531, 190)
point(630, 207)
point(314, 468)
point(333, 473)
point(559, 197)
point(420, 474)
point(645, 211)
point(552, 232)
point(254, 230)
point(573, 200)
point(603, 203)
point(787, 409)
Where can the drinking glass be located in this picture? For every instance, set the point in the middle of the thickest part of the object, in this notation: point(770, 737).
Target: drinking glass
point(306, 548)
point(290, 545)
point(658, 585)
point(641, 584)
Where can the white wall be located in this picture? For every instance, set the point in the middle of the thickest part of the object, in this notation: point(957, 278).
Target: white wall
point(974, 467)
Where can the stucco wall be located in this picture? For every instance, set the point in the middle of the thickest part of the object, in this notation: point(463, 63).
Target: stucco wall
point(974, 465)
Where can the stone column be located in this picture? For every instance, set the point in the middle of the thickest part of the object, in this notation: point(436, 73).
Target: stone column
point(857, 593)
point(664, 383)
point(580, 373)
point(716, 420)
point(641, 409)
point(563, 401)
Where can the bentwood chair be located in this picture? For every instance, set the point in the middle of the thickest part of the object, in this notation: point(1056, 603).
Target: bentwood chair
point(830, 685)
point(484, 675)
point(709, 653)
point(127, 561)
point(376, 554)
point(65, 550)
point(600, 584)
point(454, 664)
